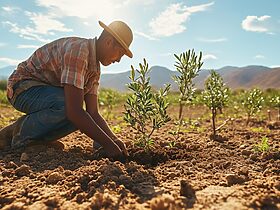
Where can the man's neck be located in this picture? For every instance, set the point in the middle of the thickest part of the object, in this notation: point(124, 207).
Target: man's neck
point(98, 47)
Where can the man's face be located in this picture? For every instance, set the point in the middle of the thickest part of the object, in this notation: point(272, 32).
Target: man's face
point(113, 53)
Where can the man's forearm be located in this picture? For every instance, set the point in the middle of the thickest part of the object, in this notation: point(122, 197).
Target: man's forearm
point(87, 125)
point(104, 126)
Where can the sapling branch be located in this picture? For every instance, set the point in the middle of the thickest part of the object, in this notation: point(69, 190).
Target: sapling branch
point(145, 109)
point(215, 96)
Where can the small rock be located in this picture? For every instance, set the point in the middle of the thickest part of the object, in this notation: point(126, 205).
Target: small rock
point(24, 157)
point(277, 185)
point(234, 179)
point(243, 146)
point(254, 157)
point(172, 175)
point(23, 170)
point(186, 189)
point(246, 152)
point(52, 202)
point(244, 171)
point(54, 177)
point(80, 198)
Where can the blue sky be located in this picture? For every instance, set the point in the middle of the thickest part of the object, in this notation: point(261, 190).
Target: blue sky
point(228, 32)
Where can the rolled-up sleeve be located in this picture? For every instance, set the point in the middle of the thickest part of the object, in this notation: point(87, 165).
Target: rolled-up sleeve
point(94, 84)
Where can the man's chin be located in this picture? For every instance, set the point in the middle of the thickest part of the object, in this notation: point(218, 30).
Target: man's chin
point(106, 63)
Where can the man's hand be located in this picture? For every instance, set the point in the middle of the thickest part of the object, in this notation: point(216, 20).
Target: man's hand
point(122, 146)
point(114, 150)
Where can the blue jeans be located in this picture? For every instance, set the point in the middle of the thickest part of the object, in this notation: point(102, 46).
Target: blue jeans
point(45, 118)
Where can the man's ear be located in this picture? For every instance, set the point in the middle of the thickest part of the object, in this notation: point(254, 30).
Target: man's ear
point(109, 41)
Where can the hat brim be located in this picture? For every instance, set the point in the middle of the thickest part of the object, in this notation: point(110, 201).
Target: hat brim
point(116, 36)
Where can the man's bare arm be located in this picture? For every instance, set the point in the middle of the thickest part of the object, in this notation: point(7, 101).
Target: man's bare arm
point(92, 108)
point(84, 122)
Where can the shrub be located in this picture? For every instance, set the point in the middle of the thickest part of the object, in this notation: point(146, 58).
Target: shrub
point(263, 146)
point(3, 97)
point(3, 84)
point(275, 101)
point(188, 65)
point(109, 98)
point(215, 95)
point(145, 110)
point(252, 102)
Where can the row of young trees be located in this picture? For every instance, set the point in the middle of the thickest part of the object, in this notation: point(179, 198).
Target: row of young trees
point(145, 110)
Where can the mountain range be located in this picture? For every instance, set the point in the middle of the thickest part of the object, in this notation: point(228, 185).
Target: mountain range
point(234, 77)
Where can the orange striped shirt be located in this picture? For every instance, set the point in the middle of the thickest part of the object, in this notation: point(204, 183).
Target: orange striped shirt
point(70, 60)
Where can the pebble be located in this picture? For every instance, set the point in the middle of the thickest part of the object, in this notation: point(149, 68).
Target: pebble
point(243, 146)
point(54, 177)
point(23, 170)
point(246, 152)
point(186, 189)
point(277, 185)
point(244, 171)
point(234, 179)
point(24, 157)
point(254, 157)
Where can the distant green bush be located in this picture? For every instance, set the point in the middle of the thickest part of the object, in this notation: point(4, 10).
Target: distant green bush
point(3, 97)
point(3, 84)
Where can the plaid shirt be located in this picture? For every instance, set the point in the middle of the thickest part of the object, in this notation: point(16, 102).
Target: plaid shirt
point(64, 61)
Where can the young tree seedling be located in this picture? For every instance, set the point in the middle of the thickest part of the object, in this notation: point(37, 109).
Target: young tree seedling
point(188, 64)
point(215, 96)
point(252, 103)
point(145, 110)
point(276, 103)
point(263, 146)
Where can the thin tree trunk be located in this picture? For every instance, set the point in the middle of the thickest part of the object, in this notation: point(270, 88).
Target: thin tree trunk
point(181, 111)
point(248, 119)
point(213, 121)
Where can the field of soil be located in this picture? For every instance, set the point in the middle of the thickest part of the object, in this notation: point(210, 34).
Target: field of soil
point(197, 173)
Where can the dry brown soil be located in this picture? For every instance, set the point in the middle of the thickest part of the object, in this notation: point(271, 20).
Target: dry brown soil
point(197, 173)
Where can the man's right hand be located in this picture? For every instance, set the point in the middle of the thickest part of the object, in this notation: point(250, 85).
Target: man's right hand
point(114, 150)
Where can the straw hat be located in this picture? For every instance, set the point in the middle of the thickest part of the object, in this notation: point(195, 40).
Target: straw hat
point(121, 32)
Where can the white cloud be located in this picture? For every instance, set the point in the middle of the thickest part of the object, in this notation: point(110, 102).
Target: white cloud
point(171, 21)
point(42, 25)
point(7, 9)
point(275, 66)
point(256, 24)
point(145, 35)
point(10, 61)
point(259, 57)
point(209, 57)
point(213, 40)
point(103, 10)
point(22, 46)
point(26, 33)
point(46, 23)
point(127, 3)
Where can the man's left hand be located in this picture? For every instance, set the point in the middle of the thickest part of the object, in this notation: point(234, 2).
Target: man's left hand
point(122, 146)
